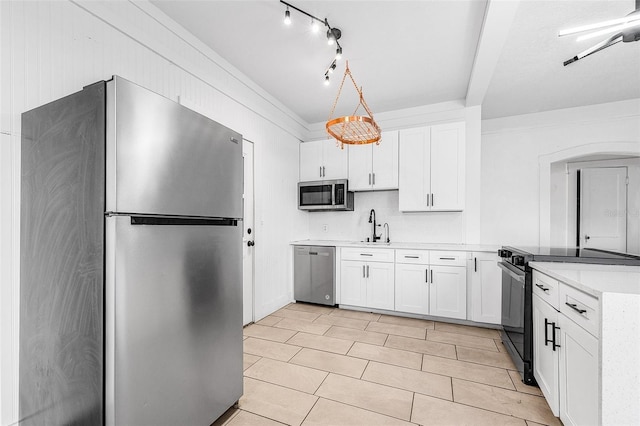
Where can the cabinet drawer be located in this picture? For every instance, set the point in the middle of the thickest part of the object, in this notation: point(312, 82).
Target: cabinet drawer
point(580, 307)
point(417, 257)
point(546, 288)
point(368, 254)
point(448, 258)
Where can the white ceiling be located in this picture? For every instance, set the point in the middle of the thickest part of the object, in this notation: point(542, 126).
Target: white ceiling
point(412, 53)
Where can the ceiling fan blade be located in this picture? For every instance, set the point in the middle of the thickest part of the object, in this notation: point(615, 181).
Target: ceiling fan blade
point(595, 48)
point(603, 24)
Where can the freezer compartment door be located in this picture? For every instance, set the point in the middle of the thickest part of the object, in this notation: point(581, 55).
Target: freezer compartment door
point(173, 321)
point(163, 158)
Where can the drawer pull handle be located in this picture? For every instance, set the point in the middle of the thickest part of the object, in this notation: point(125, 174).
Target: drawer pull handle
point(575, 308)
point(366, 254)
point(541, 287)
point(447, 258)
point(412, 257)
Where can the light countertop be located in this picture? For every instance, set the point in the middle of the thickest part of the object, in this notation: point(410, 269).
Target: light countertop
point(401, 245)
point(594, 279)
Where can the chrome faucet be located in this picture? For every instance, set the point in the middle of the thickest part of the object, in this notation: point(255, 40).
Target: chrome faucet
point(372, 220)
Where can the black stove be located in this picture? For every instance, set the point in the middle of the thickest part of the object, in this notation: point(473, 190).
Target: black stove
point(517, 321)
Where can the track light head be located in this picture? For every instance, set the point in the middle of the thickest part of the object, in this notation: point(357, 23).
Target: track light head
point(338, 53)
point(326, 79)
point(333, 35)
point(287, 17)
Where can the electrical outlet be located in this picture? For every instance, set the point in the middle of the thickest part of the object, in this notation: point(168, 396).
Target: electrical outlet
point(325, 228)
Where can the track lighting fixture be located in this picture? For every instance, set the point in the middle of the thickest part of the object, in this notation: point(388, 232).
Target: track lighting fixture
point(333, 34)
point(287, 17)
point(326, 79)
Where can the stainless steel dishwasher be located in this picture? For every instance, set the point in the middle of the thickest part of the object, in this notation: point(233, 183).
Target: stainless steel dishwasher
point(314, 274)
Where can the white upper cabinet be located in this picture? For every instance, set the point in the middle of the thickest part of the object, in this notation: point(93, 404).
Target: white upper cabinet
point(374, 167)
point(431, 174)
point(322, 160)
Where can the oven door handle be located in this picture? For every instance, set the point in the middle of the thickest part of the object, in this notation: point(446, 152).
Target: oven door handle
point(519, 277)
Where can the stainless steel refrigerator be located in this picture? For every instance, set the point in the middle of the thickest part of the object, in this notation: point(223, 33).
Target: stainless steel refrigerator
point(131, 261)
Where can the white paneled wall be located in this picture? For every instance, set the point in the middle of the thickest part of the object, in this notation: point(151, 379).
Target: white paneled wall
point(54, 48)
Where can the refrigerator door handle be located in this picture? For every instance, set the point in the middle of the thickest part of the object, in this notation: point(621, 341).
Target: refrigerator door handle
point(155, 220)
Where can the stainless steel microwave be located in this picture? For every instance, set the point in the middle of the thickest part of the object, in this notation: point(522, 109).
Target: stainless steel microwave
point(325, 195)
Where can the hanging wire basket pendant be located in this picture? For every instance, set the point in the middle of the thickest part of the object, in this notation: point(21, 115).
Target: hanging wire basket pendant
point(353, 129)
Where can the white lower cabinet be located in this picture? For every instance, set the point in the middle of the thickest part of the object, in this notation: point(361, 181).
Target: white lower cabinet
point(485, 280)
point(448, 291)
point(546, 352)
point(431, 283)
point(579, 375)
point(367, 283)
point(412, 288)
point(353, 284)
point(566, 360)
point(380, 288)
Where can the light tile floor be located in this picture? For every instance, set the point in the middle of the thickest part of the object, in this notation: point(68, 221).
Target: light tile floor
point(314, 365)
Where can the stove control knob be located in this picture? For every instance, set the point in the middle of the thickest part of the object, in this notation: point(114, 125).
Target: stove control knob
point(504, 253)
point(518, 260)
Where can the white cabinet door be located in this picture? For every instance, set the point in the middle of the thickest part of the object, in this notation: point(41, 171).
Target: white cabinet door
point(579, 375)
point(545, 367)
point(415, 170)
point(412, 288)
point(447, 166)
point(353, 290)
point(334, 160)
point(448, 291)
point(360, 167)
point(385, 162)
point(311, 161)
point(486, 288)
point(380, 285)
point(322, 160)
point(373, 167)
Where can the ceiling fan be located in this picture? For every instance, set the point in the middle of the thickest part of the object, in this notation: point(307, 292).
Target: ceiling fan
point(625, 29)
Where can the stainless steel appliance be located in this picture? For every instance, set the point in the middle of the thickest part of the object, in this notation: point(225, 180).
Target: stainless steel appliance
point(131, 270)
point(314, 274)
point(517, 321)
point(325, 195)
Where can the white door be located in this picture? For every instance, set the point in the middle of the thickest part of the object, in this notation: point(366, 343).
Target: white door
point(603, 208)
point(486, 288)
point(579, 375)
point(353, 285)
point(412, 288)
point(380, 285)
point(335, 161)
point(547, 358)
point(385, 162)
point(248, 235)
point(311, 161)
point(447, 166)
point(448, 291)
point(414, 169)
point(359, 167)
